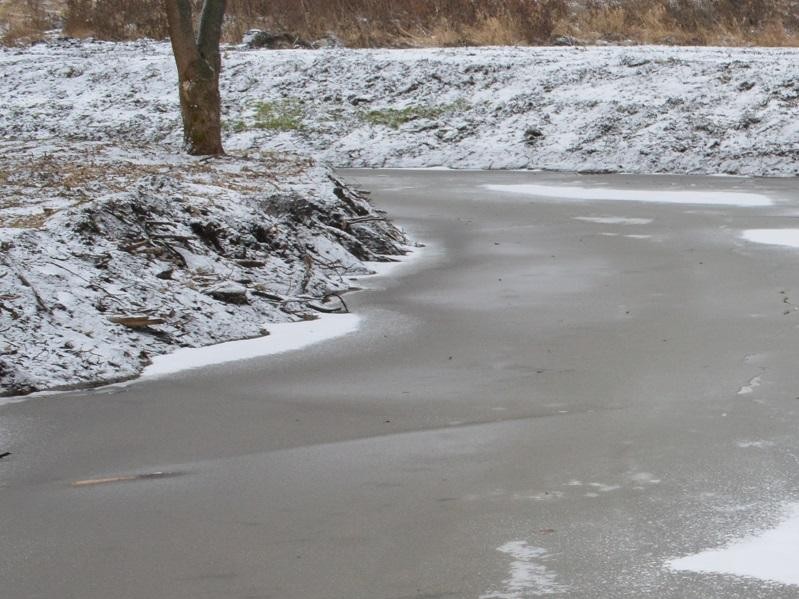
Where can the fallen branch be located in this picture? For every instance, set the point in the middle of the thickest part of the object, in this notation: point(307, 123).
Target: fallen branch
point(136, 322)
point(308, 260)
point(341, 308)
point(39, 300)
point(366, 219)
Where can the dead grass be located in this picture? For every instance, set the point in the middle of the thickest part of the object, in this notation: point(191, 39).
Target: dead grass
point(23, 22)
point(34, 187)
point(694, 22)
point(388, 23)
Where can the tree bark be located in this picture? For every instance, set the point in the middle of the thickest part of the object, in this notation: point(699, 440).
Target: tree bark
point(199, 63)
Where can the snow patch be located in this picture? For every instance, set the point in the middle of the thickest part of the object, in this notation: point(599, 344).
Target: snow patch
point(784, 237)
point(749, 388)
point(770, 555)
point(755, 444)
point(283, 337)
point(614, 220)
point(565, 192)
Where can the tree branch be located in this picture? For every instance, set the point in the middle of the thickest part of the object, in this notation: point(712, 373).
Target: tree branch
point(181, 32)
point(210, 32)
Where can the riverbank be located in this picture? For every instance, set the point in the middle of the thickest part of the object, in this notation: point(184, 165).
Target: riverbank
point(113, 255)
point(646, 109)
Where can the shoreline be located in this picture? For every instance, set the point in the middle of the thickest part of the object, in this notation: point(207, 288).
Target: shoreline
point(283, 337)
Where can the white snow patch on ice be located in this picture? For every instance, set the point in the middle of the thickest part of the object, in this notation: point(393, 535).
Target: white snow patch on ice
point(402, 265)
point(749, 388)
point(714, 198)
point(603, 488)
point(614, 220)
point(283, 337)
point(528, 577)
point(644, 478)
point(771, 555)
point(784, 237)
point(755, 444)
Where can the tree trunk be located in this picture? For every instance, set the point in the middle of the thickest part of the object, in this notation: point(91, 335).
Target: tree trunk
point(200, 107)
point(199, 63)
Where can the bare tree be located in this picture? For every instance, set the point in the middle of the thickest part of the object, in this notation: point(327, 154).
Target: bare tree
point(199, 63)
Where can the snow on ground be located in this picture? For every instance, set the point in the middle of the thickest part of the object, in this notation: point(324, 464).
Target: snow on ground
point(631, 109)
point(141, 251)
point(770, 555)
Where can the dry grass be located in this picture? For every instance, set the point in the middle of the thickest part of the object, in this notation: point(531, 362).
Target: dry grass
point(35, 186)
point(694, 22)
point(23, 22)
point(388, 23)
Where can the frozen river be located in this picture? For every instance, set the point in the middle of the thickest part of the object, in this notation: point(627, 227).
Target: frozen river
point(583, 387)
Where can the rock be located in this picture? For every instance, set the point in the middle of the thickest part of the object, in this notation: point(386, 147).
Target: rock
point(634, 61)
point(329, 42)
point(532, 135)
point(257, 38)
point(229, 292)
point(359, 100)
point(564, 40)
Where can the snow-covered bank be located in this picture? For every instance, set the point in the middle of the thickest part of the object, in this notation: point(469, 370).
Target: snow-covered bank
point(110, 255)
point(631, 109)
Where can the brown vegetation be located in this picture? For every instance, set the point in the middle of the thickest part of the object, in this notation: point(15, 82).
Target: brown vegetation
point(25, 21)
point(370, 23)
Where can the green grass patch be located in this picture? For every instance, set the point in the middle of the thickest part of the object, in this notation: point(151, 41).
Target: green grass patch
point(282, 115)
point(396, 117)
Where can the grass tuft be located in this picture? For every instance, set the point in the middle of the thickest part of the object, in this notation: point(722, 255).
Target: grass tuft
point(283, 115)
point(396, 117)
